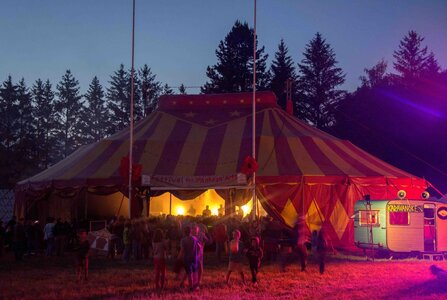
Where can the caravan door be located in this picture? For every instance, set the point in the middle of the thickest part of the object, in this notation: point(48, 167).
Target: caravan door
point(429, 228)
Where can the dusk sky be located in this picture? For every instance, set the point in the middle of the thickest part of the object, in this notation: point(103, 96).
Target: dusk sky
point(178, 39)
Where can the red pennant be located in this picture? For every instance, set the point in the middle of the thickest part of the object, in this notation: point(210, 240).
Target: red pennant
point(289, 107)
point(137, 170)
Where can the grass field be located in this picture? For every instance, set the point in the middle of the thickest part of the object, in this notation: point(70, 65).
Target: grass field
point(346, 278)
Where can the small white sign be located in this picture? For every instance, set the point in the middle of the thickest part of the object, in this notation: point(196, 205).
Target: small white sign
point(145, 180)
point(241, 178)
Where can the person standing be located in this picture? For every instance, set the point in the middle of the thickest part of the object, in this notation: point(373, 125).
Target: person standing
point(206, 212)
point(220, 237)
point(320, 247)
point(301, 239)
point(19, 239)
point(82, 256)
point(189, 249)
point(202, 239)
point(59, 236)
point(9, 231)
point(254, 255)
point(235, 258)
point(48, 236)
point(160, 248)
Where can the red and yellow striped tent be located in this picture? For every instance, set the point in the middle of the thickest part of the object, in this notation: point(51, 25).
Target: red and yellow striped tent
point(200, 142)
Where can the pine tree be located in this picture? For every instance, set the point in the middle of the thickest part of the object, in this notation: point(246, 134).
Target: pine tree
point(44, 120)
point(97, 120)
point(25, 120)
point(234, 69)
point(412, 60)
point(118, 103)
point(150, 89)
point(317, 84)
point(182, 89)
point(26, 154)
point(138, 110)
point(167, 90)
point(432, 68)
point(9, 113)
point(69, 114)
point(282, 69)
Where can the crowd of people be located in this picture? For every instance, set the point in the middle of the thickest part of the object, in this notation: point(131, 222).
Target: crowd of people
point(180, 242)
point(30, 237)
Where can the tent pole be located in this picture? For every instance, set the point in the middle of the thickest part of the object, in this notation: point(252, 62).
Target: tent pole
point(86, 206)
point(170, 203)
point(254, 209)
point(148, 201)
point(131, 115)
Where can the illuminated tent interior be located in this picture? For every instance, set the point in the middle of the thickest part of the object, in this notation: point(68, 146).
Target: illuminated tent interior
point(197, 143)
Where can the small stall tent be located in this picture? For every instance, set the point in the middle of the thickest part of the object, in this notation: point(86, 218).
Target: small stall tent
point(401, 225)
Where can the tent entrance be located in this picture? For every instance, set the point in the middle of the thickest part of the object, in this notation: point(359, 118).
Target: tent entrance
point(171, 203)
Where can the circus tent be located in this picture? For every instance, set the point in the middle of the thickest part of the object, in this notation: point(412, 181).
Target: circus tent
point(192, 143)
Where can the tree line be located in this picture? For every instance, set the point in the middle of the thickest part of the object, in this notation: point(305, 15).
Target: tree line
point(387, 115)
point(40, 125)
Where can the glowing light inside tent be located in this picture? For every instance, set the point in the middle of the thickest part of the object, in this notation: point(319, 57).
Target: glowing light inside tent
point(246, 209)
point(180, 210)
point(215, 211)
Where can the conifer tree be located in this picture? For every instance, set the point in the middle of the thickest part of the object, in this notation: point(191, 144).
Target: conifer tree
point(70, 114)
point(282, 69)
point(319, 79)
point(150, 89)
point(167, 90)
point(25, 120)
point(9, 112)
point(432, 69)
point(233, 71)
point(412, 61)
point(26, 157)
point(44, 120)
point(137, 98)
point(182, 89)
point(97, 120)
point(118, 101)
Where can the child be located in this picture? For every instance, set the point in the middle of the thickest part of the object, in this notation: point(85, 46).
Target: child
point(202, 239)
point(254, 254)
point(235, 259)
point(82, 255)
point(160, 248)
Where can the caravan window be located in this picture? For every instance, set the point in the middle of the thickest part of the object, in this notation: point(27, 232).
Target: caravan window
point(399, 218)
point(369, 217)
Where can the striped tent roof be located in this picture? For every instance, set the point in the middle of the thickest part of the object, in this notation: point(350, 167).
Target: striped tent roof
point(207, 135)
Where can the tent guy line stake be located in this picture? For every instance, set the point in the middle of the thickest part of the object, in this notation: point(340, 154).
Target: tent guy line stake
point(131, 113)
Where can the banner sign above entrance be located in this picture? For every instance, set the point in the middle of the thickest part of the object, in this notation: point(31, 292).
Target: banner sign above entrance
point(193, 181)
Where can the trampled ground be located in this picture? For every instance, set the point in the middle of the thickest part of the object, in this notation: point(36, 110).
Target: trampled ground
point(346, 278)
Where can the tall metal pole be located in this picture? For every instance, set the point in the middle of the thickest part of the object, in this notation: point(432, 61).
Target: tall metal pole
point(131, 114)
point(255, 208)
